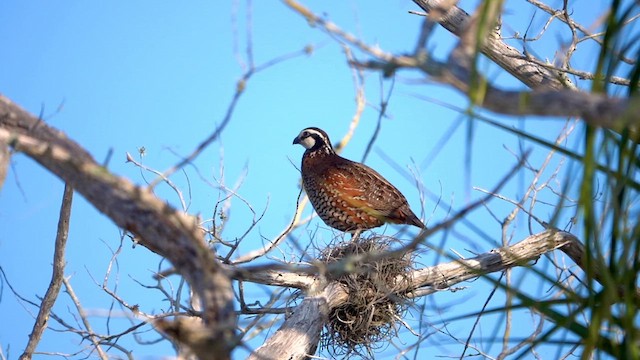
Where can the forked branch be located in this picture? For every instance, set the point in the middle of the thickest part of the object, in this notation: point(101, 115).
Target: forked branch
point(324, 296)
point(155, 224)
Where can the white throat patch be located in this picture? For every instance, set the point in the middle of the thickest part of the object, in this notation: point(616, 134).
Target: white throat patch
point(308, 142)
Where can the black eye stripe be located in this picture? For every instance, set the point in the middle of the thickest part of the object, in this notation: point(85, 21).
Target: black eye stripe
point(318, 136)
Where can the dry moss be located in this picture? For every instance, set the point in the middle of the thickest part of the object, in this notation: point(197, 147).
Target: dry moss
point(368, 319)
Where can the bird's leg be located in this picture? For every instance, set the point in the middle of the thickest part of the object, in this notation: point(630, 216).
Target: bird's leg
point(356, 234)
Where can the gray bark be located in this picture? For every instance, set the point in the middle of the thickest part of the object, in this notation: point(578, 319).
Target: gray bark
point(156, 225)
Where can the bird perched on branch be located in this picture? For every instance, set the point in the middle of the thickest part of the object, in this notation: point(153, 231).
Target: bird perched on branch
point(347, 195)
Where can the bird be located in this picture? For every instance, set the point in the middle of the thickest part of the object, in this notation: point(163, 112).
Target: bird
point(347, 195)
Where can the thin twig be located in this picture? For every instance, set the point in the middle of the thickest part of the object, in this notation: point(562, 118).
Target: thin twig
point(384, 103)
point(360, 97)
point(92, 337)
point(300, 204)
point(479, 315)
point(559, 14)
point(160, 176)
point(240, 88)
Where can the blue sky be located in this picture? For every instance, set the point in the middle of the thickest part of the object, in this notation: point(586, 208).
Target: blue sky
point(120, 76)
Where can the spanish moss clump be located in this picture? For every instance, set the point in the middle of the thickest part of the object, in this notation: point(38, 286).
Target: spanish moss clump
point(368, 318)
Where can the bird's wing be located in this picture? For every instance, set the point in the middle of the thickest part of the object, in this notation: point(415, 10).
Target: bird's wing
point(371, 192)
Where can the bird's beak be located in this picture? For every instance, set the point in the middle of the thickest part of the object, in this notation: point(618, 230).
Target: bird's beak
point(296, 140)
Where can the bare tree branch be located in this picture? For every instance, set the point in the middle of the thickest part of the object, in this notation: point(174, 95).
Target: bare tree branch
point(286, 276)
point(562, 16)
point(240, 88)
point(298, 334)
point(596, 109)
point(157, 226)
point(95, 340)
point(456, 20)
point(5, 157)
point(207, 324)
point(440, 277)
point(56, 277)
point(550, 96)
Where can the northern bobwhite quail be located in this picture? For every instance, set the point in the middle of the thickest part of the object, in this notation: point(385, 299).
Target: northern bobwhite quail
point(347, 195)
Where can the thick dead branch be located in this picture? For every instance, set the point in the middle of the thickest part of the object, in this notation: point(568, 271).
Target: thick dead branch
point(189, 333)
point(16, 120)
point(432, 279)
point(509, 58)
point(288, 278)
point(596, 109)
point(157, 226)
point(550, 95)
point(299, 335)
point(443, 276)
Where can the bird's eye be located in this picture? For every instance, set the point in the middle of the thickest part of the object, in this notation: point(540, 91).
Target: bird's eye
point(305, 134)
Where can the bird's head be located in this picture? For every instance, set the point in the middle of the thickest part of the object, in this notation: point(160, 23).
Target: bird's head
point(314, 140)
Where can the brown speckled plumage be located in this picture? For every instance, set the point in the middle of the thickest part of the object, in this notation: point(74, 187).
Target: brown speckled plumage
point(347, 195)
